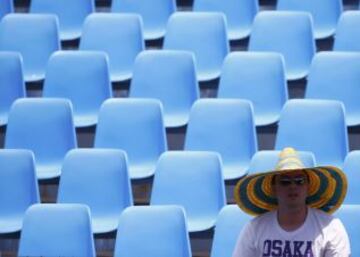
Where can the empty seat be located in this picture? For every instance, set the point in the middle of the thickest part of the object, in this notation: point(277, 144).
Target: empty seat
point(317, 126)
point(347, 32)
point(325, 13)
point(57, 230)
point(225, 126)
point(193, 180)
point(228, 226)
point(169, 76)
point(352, 171)
point(44, 126)
point(12, 84)
point(155, 14)
point(152, 231)
point(202, 33)
point(34, 36)
point(335, 75)
point(83, 77)
point(71, 14)
point(6, 6)
point(135, 126)
point(239, 14)
point(259, 78)
point(18, 188)
point(119, 35)
point(289, 33)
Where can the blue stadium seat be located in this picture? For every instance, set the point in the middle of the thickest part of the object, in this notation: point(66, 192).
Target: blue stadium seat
point(225, 126)
point(259, 78)
point(317, 126)
point(193, 180)
point(98, 178)
point(152, 231)
point(119, 35)
point(289, 33)
point(169, 76)
point(325, 13)
point(335, 75)
point(83, 77)
point(347, 32)
point(57, 230)
point(44, 126)
point(202, 33)
point(155, 14)
point(12, 84)
point(71, 14)
point(34, 36)
point(352, 171)
point(6, 6)
point(228, 226)
point(135, 126)
point(239, 14)
point(18, 188)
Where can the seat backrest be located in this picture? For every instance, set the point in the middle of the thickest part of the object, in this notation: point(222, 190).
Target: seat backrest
point(309, 125)
point(71, 14)
point(135, 126)
point(204, 34)
point(6, 6)
point(12, 84)
point(57, 230)
point(45, 126)
point(193, 180)
point(34, 36)
point(352, 171)
point(225, 126)
point(119, 35)
point(83, 77)
point(347, 32)
point(228, 226)
point(161, 231)
point(259, 78)
point(98, 178)
point(335, 75)
point(289, 33)
point(154, 14)
point(169, 76)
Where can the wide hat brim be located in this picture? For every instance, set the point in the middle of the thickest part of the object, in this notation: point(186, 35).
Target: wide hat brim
point(327, 188)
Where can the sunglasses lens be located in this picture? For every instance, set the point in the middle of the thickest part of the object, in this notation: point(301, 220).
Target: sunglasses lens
point(299, 181)
point(285, 182)
point(296, 181)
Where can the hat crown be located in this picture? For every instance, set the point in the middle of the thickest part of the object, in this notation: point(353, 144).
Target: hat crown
point(289, 160)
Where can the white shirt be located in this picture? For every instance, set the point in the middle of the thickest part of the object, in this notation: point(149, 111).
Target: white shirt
point(321, 235)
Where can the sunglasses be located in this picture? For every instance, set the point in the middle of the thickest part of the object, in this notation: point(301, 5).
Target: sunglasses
point(296, 181)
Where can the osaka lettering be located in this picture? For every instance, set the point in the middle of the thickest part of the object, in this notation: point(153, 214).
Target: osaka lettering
point(279, 248)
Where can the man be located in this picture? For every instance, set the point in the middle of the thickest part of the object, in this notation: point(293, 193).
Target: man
point(293, 206)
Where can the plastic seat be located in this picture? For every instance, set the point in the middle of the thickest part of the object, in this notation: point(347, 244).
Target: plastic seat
point(349, 216)
point(286, 32)
point(317, 126)
point(155, 14)
point(161, 231)
point(135, 126)
point(259, 78)
point(352, 171)
point(44, 126)
point(228, 226)
point(119, 35)
point(205, 35)
point(57, 230)
point(193, 180)
point(6, 6)
point(169, 76)
point(18, 188)
point(98, 178)
point(325, 13)
point(12, 84)
point(335, 75)
point(268, 159)
point(83, 77)
point(71, 14)
point(347, 32)
point(225, 126)
point(239, 14)
point(34, 36)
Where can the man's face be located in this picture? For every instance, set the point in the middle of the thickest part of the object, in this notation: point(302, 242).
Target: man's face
point(291, 189)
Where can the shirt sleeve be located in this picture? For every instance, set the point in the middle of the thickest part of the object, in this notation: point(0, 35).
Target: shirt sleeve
point(338, 241)
point(245, 246)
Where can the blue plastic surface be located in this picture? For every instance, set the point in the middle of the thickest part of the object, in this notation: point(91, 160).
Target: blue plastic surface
point(347, 33)
point(6, 6)
point(352, 171)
